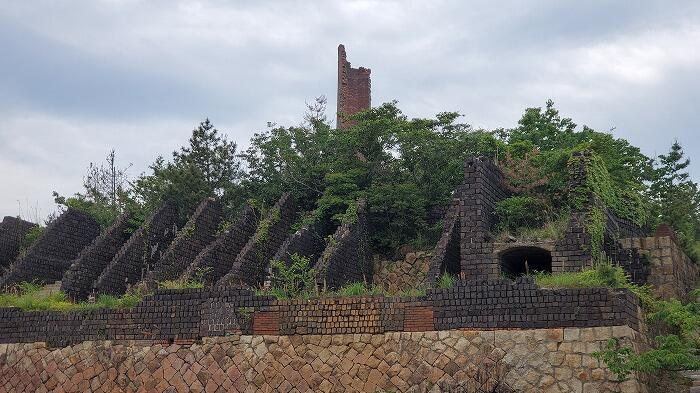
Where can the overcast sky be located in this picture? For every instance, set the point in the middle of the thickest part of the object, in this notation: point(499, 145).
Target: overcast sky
point(78, 78)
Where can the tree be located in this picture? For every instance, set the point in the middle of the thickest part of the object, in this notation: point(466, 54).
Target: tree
point(677, 197)
point(106, 192)
point(206, 167)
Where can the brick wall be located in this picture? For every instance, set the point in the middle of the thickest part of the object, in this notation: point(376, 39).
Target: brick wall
point(49, 257)
point(142, 250)
point(199, 232)
point(251, 264)
point(193, 313)
point(78, 280)
point(218, 257)
point(12, 232)
point(521, 304)
point(354, 89)
point(482, 188)
point(347, 257)
point(446, 257)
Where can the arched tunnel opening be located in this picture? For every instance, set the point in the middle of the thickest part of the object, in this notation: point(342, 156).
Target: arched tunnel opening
point(525, 260)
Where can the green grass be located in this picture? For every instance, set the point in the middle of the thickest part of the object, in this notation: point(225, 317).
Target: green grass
point(348, 290)
point(180, 284)
point(28, 297)
point(446, 280)
point(603, 274)
point(551, 230)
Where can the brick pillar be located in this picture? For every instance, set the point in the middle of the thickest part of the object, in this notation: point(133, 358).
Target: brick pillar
point(354, 88)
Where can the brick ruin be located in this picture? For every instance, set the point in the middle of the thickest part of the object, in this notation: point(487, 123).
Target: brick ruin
point(12, 232)
point(354, 89)
point(533, 339)
point(51, 254)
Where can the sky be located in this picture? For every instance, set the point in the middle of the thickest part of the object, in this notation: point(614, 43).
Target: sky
point(79, 78)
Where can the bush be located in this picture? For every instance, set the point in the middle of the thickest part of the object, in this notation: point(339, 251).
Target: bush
point(521, 211)
point(30, 237)
point(294, 279)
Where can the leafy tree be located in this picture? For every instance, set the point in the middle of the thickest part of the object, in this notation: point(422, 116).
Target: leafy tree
point(206, 167)
point(677, 197)
point(294, 159)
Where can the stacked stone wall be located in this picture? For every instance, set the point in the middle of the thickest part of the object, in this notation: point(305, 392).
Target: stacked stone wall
point(410, 272)
point(251, 264)
point(532, 360)
point(12, 232)
point(78, 280)
point(671, 272)
point(347, 257)
point(199, 232)
point(217, 258)
point(49, 257)
point(141, 251)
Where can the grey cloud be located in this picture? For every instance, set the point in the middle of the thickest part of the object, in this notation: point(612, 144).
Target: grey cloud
point(77, 79)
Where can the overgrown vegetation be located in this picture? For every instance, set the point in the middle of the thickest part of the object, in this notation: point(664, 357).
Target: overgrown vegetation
point(673, 352)
point(297, 280)
point(29, 297)
point(446, 280)
point(293, 280)
point(30, 237)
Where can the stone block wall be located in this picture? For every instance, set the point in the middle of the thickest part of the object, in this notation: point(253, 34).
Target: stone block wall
point(251, 264)
point(530, 360)
point(217, 258)
point(49, 257)
point(483, 187)
point(199, 232)
point(78, 280)
point(410, 272)
point(12, 232)
point(141, 251)
point(347, 257)
point(671, 272)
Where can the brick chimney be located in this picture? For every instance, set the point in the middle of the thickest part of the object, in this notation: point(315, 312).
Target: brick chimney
point(354, 88)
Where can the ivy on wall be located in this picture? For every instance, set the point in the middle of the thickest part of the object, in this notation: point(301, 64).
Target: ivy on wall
point(597, 184)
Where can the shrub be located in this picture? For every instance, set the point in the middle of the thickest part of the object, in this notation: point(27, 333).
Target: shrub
point(30, 237)
point(294, 279)
point(521, 211)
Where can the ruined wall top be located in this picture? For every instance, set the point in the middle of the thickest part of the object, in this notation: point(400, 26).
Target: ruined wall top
point(354, 88)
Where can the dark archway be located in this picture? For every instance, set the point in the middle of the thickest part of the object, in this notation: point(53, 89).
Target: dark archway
point(517, 261)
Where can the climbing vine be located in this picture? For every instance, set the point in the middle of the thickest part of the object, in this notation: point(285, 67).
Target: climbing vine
point(263, 231)
point(624, 203)
point(595, 227)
